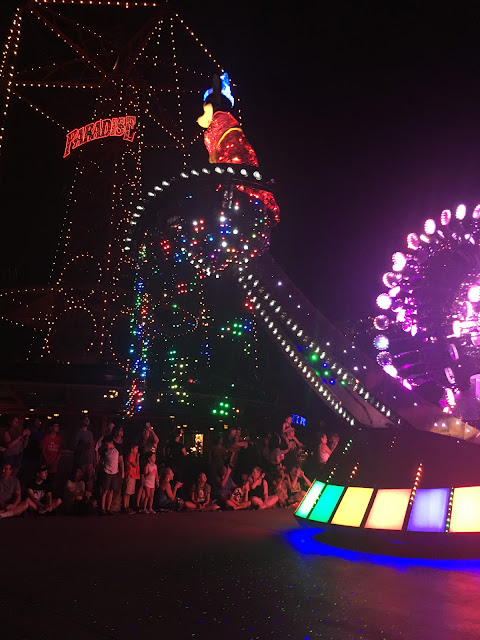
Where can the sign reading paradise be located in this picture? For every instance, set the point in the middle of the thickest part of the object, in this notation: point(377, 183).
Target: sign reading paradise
point(121, 127)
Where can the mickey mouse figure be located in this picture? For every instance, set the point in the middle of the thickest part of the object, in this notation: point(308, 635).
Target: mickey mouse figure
point(225, 141)
point(224, 138)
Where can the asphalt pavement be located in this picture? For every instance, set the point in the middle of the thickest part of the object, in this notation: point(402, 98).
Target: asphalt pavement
point(246, 575)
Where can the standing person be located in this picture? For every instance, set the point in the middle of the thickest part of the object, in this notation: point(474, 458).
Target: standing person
point(291, 455)
point(112, 474)
point(217, 456)
point(276, 455)
point(259, 490)
point(333, 441)
point(323, 452)
point(51, 448)
point(149, 441)
point(132, 475)
point(84, 452)
point(117, 435)
point(287, 424)
point(106, 431)
point(150, 481)
point(175, 454)
point(247, 457)
point(32, 452)
point(235, 444)
point(15, 440)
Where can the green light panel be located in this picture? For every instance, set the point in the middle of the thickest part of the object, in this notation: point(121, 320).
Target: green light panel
point(309, 499)
point(327, 503)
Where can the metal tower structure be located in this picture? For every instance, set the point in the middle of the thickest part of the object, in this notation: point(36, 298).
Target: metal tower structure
point(114, 79)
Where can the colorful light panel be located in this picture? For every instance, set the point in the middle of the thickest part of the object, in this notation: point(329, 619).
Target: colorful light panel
point(309, 499)
point(326, 503)
point(429, 510)
point(352, 508)
point(389, 509)
point(465, 509)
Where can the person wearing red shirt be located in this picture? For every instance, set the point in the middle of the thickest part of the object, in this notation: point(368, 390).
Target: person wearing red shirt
point(51, 448)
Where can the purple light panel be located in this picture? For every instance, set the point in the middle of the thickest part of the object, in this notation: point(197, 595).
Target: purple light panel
point(429, 510)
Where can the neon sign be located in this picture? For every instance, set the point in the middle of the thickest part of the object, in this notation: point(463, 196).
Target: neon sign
point(121, 127)
point(296, 419)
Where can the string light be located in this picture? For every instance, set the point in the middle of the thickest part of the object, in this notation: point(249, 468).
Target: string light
point(286, 332)
point(103, 266)
point(446, 332)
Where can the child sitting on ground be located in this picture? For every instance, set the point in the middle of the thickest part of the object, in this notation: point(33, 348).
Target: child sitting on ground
point(280, 488)
point(75, 497)
point(200, 495)
point(40, 493)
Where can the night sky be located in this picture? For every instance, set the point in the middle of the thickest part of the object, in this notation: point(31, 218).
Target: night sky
point(366, 115)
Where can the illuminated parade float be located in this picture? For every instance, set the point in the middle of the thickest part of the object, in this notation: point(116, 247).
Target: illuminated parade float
point(427, 338)
point(396, 477)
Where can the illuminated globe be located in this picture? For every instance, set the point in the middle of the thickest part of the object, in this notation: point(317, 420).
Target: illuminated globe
point(429, 311)
point(216, 216)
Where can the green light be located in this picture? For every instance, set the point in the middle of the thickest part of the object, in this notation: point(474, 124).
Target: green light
point(326, 373)
point(308, 501)
point(314, 357)
point(214, 411)
point(221, 404)
point(327, 503)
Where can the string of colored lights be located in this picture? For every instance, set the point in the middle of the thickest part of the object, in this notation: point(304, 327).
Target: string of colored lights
point(225, 409)
point(141, 328)
point(276, 321)
point(239, 330)
point(187, 247)
point(152, 48)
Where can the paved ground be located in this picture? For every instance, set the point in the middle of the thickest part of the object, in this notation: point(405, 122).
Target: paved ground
point(220, 575)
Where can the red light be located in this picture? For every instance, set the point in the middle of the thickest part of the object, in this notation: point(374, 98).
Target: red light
point(119, 127)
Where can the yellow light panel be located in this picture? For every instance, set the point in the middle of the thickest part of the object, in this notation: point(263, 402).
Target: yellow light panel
point(352, 508)
point(388, 509)
point(465, 509)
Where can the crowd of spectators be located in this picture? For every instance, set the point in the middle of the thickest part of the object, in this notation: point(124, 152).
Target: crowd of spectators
point(114, 474)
